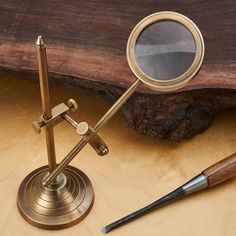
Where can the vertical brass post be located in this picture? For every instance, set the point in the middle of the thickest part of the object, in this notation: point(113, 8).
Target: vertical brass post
point(46, 107)
point(70, 197)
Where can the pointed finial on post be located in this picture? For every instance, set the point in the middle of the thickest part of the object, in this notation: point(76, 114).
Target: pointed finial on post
point(45, 98)
point(40, 41)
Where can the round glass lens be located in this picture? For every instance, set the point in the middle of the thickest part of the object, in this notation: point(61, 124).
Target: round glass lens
point(165, 50)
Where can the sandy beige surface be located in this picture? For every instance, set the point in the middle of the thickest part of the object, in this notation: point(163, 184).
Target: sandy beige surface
point(137, 171)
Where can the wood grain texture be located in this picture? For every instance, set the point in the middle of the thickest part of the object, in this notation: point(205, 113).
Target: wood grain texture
point(221, 171)
point(86, 43)
point(137, 170)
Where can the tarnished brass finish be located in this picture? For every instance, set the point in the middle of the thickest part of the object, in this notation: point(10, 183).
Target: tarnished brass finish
point(173, 84)
point(84, 130)
point(56, 118)
point(72, 104)
point(56, 197)
point(58, 114)
point(69, 197)
point(44, 89)
point(70, 120)
point(93, 138)
point(59, 206)
point(43, 77)
point(72, 154)
point(168, 85)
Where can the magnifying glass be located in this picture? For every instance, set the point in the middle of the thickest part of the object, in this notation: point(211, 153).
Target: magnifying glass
point(164, 51)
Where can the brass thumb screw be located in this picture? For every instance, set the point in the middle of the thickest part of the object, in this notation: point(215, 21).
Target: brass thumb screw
point(72, 104)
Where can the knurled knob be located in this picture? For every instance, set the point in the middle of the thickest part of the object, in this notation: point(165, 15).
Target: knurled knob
point(72, 104)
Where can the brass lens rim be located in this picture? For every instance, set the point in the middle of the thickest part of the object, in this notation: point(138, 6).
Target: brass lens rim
point(173, 84)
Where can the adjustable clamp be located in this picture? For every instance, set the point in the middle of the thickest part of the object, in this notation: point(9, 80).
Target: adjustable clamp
point(60, 113)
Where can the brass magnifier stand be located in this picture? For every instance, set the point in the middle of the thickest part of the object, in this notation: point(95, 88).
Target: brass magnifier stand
point(59, 196)
point(66, 197)
point(69, 197)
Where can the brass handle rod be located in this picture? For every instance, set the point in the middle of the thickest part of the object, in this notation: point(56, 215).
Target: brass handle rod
point(215, 174)
point(71, 155)
point(70, 120)
point(117, 105)
point(45, 98)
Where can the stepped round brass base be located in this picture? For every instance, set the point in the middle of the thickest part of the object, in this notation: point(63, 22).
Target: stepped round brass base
point(61, 205)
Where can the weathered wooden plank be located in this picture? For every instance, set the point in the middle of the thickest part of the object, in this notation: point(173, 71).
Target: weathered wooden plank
point(86, 43)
